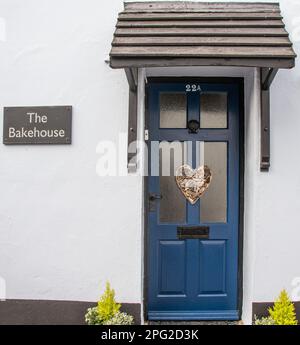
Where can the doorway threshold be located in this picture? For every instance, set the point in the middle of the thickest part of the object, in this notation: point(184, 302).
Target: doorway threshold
point(194, 323)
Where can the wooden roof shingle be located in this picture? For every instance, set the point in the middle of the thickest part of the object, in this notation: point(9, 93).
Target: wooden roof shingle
point(195, 33)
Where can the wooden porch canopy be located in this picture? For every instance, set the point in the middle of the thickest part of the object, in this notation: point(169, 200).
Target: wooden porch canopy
point(163, 34)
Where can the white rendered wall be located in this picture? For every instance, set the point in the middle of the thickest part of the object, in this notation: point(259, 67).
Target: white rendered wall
point(277, 221)
point(64, 230)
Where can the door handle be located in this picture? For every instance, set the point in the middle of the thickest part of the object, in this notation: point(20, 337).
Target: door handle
point(152, 201)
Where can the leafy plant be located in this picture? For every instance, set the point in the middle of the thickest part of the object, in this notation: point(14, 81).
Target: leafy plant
point(120, 319)
point(264, 321)
point(107, 311)
point(92, 317)
point(283, 311)
point(107, 306)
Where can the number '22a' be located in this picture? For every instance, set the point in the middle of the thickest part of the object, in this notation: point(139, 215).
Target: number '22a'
point(192, 87)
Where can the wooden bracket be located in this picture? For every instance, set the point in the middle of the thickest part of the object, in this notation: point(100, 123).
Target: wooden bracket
point(131, 74)
point(267, 76)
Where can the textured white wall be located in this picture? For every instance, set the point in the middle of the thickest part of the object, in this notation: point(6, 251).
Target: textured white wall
point(277, 254)
point(63, 229)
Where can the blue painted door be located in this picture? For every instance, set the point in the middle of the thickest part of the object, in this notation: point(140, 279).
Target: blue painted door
point(193, 278)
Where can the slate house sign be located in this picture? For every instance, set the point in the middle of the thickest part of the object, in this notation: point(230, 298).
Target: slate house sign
point(37, 125)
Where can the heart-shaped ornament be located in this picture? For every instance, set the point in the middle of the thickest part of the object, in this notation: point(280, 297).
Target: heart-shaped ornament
point(193, 182)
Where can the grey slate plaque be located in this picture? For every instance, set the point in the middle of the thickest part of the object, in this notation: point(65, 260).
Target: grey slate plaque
point(37, 125)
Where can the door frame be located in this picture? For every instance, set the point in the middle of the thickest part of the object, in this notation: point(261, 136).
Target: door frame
point(213, 80)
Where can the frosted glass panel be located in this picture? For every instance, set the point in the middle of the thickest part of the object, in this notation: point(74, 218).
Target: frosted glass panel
point(172, 204)
point(213, 204)
point(173, 110)
point(213, 110)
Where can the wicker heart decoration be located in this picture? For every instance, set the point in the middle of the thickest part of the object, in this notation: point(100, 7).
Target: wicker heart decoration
point(193, 182)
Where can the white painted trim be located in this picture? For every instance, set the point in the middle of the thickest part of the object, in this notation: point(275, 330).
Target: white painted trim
point(141, 165)
point(252, 170)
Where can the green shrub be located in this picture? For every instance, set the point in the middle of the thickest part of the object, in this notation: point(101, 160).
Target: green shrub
point(283, 311)
point(92, 317)
point(107, 311)
point(107, 306)
point(264, 321)
point(120, 319)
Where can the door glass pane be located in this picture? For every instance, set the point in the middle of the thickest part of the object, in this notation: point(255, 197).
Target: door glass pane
point(173, 110)
point(172, 205)
point(213, 203)
point(213, 110)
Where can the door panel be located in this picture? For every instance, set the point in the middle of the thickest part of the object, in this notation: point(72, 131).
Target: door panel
point(193, 278)
point(172, 268)
point(212, 254)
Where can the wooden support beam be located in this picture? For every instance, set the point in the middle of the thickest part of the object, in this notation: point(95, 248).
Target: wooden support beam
point(267, 76)
point(131, 75)
point(265, 131)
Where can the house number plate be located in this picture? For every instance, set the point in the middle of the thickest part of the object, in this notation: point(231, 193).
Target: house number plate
point(192, 88)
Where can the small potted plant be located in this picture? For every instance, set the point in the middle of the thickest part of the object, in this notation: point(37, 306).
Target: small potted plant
point(107, 311)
